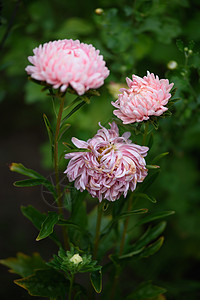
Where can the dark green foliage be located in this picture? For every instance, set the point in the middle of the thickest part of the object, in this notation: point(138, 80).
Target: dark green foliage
point(133, 36)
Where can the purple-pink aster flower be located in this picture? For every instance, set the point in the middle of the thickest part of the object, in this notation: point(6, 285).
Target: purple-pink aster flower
point(112, 166)
point(66, 62)
point(145, 97)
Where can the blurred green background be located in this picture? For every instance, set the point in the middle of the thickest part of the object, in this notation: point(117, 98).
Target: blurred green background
point(133, 36)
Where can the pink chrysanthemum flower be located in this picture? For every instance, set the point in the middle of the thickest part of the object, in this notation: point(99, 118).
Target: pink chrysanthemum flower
point(145, 97)
point(112, 166)
point(66, 62)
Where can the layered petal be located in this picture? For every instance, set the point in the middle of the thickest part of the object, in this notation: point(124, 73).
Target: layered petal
point(112, 166)
point(66, 62)
point(144, 97)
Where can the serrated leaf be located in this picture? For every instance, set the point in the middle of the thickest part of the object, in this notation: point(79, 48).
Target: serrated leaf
point(96, 280)
point(152, 249)
point(146, 291)
point(48, 225)
point(37, 218)
point(45, 283)
point(23, 264)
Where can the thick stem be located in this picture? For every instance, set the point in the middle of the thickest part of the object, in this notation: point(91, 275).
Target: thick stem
point(98, 226)
point(70, 287)
point(56, 168)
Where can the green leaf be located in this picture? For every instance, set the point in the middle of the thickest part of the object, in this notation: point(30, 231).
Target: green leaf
point(152, 167)
point(150, 141)
point(28, 182)
point(38, 179)
point(132, 253)
point(63, 129)
point(37, 218)
point(73, 111)
point(35, 182)
point(145, 196)
point(109, 226)
point(132, 212)
point(19, 168)
point(150, 235)
point(146, 291)
point(152, 249)
point(45, 283)
point(49, 129)
point(77, 150)
point(79, 217)
point(48, 225)
point(149, 180)
point(155, 216)
point(96, 280)
point(24, 265)
point(158, 157)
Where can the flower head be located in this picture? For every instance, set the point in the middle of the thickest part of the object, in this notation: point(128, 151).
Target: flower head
point(66, 62)
point(145, 97)
point(111, 167)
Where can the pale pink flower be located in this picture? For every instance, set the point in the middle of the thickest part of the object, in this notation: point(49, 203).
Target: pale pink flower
point(66, 62)
point(112, 166)
point(145, 97)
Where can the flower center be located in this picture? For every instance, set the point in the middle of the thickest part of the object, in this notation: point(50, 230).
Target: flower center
point(102, 149)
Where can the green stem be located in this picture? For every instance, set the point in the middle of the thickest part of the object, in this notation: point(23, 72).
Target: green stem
point(56, 168)
point(125, 227)
point(146, 124)
point(98, 226)
point(70, 287)
point(121, 249)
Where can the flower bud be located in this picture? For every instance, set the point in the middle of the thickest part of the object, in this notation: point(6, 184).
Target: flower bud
point(76, 259)
point(172, 64)
point(99, 11)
